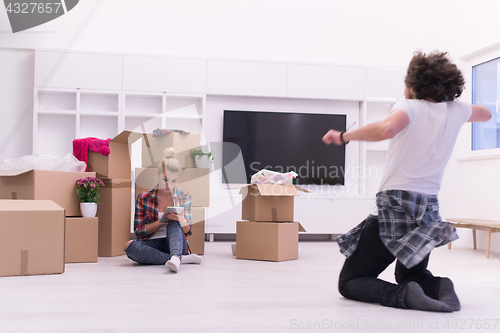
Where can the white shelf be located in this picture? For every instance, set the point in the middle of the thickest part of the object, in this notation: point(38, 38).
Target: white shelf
point(56, 101)
point(101, 127)
point(142, 124)
point(377, 146)
point(55, 134)
point(98, 102)
point(143, 104)
point(103, 114)
point(99, 114)
point(378, 111)
point(57, 112)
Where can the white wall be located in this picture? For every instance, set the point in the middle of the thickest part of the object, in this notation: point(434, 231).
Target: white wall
point(16, 102)
point(382, 32)
point(471, 187)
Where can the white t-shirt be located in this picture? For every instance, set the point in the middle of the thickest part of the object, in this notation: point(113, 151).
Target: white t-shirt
point(162, 231)
point(418, 154)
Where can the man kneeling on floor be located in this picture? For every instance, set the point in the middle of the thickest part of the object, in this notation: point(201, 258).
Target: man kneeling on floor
point(423, 129)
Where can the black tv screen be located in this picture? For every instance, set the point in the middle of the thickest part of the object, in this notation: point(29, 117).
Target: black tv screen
point(283, 142)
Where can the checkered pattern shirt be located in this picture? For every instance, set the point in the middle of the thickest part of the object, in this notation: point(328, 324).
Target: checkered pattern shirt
point(146, 209)
point(410, 226)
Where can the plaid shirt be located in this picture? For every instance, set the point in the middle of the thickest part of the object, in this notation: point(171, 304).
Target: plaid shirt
point(410, 226)
point(146, 209)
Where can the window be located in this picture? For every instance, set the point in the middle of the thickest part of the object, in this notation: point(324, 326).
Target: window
point(486, 91)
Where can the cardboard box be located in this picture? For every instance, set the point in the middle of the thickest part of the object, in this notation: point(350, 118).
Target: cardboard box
point(58, 186)
point(31, 237)
point(117, 163)
point(193, 180)
point(197, 239)
point(153, 148)
point(145, 179)
point(81, 239)
point(268, 203)
point(269, 241)
point(114, 216)
point(197, 182)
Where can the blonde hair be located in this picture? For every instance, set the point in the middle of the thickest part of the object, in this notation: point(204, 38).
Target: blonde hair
point(169, 162)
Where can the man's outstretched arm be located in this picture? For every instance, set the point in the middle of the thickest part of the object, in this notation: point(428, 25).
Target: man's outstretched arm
point(378, 131)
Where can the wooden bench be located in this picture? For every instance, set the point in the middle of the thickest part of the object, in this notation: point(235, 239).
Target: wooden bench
point(477, 224)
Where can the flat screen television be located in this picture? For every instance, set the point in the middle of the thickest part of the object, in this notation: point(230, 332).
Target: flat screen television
point(283, 142)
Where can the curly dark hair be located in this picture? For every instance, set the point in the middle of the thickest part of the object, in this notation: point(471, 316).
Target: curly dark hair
point(434, 76)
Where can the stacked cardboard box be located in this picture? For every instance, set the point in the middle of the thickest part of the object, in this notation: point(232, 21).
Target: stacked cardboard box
point(194, 180)
point(60, 187)
point(114, 209)
point(81, 239)
point(31, 237)
point(269, 232)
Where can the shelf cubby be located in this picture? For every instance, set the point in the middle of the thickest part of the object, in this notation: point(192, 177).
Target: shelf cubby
point(55, 134)
point(101, 127)
point(99, 102)
point(143, 104)
point(56, 101)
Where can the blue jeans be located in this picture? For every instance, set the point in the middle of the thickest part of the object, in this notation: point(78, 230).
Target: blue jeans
point(359, 277)
point(159, 250)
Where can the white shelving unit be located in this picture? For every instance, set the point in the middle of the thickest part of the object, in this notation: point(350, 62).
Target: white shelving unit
point(373, 154)
point(62, 115)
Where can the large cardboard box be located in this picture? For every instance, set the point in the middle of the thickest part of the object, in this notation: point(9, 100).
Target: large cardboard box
point(193, 180)
point(197, 239)
point(153, 148)
point(114, 216)
point(268, 203)
point(31, 237)
point(197, 182)
point(271, 241)
point(81, 239)
point(117, 164)
point(58, 186)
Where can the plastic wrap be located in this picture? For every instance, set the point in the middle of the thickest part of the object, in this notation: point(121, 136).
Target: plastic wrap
point(272, 177)
point(44, 162)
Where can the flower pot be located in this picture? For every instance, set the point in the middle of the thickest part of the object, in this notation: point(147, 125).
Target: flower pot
point(88, 209)
point(202, 162)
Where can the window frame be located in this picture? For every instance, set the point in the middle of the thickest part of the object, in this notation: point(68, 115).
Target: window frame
point(464, 141)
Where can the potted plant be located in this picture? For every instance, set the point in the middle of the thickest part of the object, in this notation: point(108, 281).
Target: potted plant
point(89, 195)
point(201, 158)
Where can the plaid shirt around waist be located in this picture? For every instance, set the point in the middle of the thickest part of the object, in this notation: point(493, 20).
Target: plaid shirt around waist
point(409, 225)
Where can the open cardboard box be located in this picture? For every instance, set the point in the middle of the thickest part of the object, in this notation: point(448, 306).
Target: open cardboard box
point(117, 164)
point(58, 186)
point(32, 237)
point(268, 202)
point(270, 241)
point(153, 148)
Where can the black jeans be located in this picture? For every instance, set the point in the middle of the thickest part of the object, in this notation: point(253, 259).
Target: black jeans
point(359, 277)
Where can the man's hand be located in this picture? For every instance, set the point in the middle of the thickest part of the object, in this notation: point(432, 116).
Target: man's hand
point(332, 137)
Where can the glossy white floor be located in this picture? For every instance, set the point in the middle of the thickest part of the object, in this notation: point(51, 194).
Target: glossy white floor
point(228, 295)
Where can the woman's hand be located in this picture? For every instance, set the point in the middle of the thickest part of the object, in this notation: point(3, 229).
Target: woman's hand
point(332, 136)
point(173, 217)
